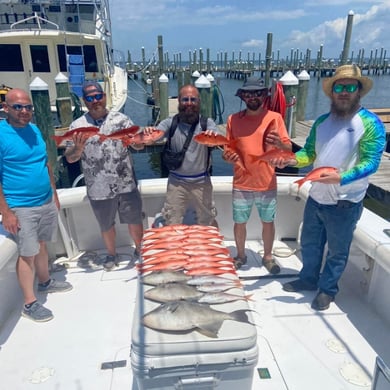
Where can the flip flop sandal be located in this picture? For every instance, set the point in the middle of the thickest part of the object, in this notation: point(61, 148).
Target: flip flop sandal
point(239, 262)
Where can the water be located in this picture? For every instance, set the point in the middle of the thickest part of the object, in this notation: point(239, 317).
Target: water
point(317, 103)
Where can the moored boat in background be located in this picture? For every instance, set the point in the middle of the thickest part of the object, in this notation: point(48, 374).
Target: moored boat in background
point(45, 38)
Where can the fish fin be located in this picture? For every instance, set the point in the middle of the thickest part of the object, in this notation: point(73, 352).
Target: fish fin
point(210, 330)
point(300, 182)
point(241, 316)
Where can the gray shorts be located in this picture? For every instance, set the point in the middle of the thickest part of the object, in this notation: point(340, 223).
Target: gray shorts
point(128, 206)
point(37, 224)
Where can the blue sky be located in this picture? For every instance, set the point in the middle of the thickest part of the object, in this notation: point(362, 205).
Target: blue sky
point(242, 25)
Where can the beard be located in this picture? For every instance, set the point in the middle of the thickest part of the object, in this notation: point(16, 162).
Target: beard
point(345, 107)
point(189, 114)
point(253, 104)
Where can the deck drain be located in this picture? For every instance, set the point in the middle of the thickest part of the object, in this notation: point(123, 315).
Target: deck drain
point(41, 375)
point(354, 374)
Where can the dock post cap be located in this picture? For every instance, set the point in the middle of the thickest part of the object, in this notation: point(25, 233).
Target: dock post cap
point(61, 79)
point(289, 79)
point(38, 85)
point(303, 76)
point(163, 78)
point(202, 82)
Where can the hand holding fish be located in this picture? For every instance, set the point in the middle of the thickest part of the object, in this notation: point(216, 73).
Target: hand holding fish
point(282, 162)
point(272, 138)
point(230, 156)
point(73, 153)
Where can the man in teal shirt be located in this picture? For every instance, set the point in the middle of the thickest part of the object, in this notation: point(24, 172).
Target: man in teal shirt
point(28, 201)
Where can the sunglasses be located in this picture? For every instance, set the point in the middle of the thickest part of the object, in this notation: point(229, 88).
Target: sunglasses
point(188, 99)
point(96, 97)
point(20, 107)
point(250, 94)
point(350, 88)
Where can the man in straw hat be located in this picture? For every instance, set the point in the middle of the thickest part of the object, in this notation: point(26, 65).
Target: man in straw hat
point(351, 139)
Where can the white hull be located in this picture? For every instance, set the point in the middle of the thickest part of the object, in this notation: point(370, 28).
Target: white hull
point(300, 348)
point(41, 44)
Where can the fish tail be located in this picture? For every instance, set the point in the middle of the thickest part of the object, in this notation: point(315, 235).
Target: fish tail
point(300, 182)
point(57, 139)
point(241, 316)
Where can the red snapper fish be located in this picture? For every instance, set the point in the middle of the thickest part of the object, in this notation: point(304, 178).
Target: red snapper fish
point(211, 139)
point(315, 174)
point(143, 138)
point(276, 153)
point(120, 134)
point(88, 131)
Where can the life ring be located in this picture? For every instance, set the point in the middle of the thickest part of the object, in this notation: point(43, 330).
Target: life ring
point(3, 91)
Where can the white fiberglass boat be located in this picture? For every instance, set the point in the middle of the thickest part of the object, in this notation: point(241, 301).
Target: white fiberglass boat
point(48, 38)
point(96, 339)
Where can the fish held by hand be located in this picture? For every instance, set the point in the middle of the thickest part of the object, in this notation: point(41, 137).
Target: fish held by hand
point(276, 154)
point(120, 134)
point(144, 138)
point(315, 174)
point(88, 131)
point(211, 139)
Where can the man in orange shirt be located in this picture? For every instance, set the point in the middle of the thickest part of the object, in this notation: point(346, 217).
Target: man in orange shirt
point(252, 132)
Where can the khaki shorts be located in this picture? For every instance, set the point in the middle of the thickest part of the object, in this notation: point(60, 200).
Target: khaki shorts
point(181, 195)
point(39, 223)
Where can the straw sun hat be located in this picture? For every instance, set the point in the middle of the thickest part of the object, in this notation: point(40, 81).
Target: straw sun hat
point(347, 72)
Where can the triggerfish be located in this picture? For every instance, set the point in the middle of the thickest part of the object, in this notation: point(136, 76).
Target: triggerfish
point(315, 174)
point(185, 316)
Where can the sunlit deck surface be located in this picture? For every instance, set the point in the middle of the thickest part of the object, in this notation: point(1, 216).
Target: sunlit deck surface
point(298, 347)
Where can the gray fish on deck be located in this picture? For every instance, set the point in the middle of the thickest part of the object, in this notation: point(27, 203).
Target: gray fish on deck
point(170, 292)
point(185, 316)
point(160, 277)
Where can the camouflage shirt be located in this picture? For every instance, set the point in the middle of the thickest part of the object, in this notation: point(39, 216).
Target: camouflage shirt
point(107, 165)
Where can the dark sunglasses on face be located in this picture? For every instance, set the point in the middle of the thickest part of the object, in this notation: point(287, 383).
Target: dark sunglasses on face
point(20, 107)
point(187, 99)
point(350, 88)
point(97, 97)
point(251, 94)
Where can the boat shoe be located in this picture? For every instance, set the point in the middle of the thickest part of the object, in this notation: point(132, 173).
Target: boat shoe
point(239, 262)
point(271, 266)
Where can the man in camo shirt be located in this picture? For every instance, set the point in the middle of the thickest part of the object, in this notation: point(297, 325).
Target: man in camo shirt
point(108, 171)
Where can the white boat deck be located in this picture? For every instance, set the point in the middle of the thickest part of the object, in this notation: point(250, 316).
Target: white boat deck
point(301, 349)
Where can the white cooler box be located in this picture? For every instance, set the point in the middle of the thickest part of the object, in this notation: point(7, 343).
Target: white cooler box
point(191, 360)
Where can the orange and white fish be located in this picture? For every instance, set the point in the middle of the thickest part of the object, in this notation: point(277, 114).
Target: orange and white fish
point(276, 153)
point(120, 134)
point(211, 139)
point(87, 131)
point(315, 174)
point(143, 138)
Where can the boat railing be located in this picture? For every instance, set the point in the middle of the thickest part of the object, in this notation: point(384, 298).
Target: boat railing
point(381, 379)
point(38, 20)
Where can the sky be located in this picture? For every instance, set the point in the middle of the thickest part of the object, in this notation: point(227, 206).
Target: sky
point(242, 26)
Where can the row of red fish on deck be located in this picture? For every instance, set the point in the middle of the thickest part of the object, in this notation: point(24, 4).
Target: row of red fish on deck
point(194, 249)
